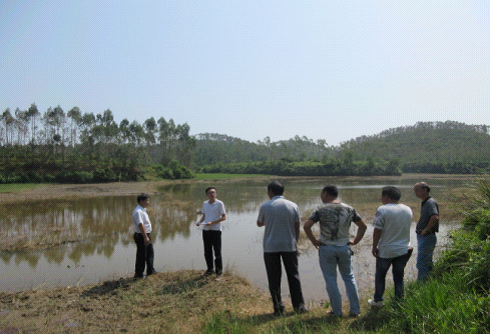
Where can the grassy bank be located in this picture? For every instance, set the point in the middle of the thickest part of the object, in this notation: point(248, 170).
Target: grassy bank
point(226, 176)
point(184, 302)
point(9, 188)
point(176, 302)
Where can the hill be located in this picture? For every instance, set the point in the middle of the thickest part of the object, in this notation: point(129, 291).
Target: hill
point(429, 147)
point(426, 147)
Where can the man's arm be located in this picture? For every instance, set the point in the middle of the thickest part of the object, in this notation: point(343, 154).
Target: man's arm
point(434, 219)
point(260, 223)
point(361, 229)
point(307, 228)
point(376, 237)
point(296, 230)
point(202, 220)
point(143, 231)
point(222, 218)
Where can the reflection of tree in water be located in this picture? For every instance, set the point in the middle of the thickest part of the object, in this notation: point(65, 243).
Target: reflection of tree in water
point(97, 225)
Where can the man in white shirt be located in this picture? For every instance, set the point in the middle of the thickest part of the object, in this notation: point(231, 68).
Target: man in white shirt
point(213, 213)
point(391, 243)
point(142, 230)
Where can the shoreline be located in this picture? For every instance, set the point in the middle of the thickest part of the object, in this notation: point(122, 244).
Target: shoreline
point(69, 191)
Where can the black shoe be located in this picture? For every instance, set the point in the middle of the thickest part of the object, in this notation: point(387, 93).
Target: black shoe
point(207, 273)
point(152, 273)
point(279, 312)
point(301, 310)
point(140, 277)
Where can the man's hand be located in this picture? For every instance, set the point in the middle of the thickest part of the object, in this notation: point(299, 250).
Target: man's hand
point(316, 243)
point(375, 251)
point(147, 241)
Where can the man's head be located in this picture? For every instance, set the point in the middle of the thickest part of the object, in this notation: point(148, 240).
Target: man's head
point(390, 194)
point(211, 193)
point(329, 192)
point(143, 199)
point(275, 188)
point(421, 190)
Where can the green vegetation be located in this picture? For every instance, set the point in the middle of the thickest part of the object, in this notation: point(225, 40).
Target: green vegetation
point(85, 148)
point(426, 147)
point(4, 188)
point(223, 176)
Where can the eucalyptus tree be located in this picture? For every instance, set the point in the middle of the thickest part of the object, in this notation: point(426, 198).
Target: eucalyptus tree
point(8, 122)
point(75, 116)
point(33, 113)
point(150, 129)
point(22, 126)
point(87, 139)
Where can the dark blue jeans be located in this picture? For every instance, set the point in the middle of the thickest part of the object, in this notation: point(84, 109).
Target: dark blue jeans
point(144, 256)
point(426, 245)
point(382, 267)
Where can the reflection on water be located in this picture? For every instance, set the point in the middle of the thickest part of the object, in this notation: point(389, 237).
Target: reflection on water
point(177, 241)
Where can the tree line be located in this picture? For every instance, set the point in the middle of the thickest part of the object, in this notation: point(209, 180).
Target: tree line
point(86, 147)
point(83, 147)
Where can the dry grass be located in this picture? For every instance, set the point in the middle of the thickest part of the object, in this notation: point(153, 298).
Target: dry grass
point(174, 302)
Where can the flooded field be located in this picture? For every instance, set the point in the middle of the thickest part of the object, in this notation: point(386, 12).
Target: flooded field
point(105, 249)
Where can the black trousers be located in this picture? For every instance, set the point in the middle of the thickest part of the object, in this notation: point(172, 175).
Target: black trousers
point(212, 241)
point(144, 256)
point(274, 273)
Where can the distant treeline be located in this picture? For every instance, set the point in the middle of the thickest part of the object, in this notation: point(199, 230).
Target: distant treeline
point(426, 147)
point(75, 147)
point(331, 167)
point(55, 146)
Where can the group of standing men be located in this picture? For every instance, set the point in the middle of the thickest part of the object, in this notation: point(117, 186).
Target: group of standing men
point(281, 219)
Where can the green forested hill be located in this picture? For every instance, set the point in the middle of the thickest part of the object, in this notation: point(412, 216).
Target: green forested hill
point(441, 147)
point(426, 147)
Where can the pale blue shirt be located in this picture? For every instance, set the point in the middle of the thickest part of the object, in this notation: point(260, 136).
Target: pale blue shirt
point(280, 217)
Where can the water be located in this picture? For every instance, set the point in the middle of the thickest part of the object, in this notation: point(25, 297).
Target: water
point(177, 241)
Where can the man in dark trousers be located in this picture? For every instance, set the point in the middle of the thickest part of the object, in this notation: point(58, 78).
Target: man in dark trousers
point(144, 246)
point(213, 213)
point(281, 220)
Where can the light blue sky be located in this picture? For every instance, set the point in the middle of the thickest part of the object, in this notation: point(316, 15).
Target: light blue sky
point(330, 70)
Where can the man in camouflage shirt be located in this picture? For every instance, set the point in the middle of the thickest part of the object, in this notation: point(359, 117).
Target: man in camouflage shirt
point(334, 246)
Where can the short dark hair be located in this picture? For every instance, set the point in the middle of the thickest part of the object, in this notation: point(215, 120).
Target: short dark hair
point(209, 188)
point(425, 185)
point(276, 187)
point(391, 192)
point(331, 190)
point(142, 197)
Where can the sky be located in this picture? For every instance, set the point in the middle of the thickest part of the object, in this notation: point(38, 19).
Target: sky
point(331, 70)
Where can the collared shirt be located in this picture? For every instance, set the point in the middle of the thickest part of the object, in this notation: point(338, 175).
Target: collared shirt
point(140, 216)
point(213, 212)
point(335, 221)
point(395, 221)
point(280, 217)
point(428, 208)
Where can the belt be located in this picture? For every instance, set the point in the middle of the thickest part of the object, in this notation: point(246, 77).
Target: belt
point(429, 233)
